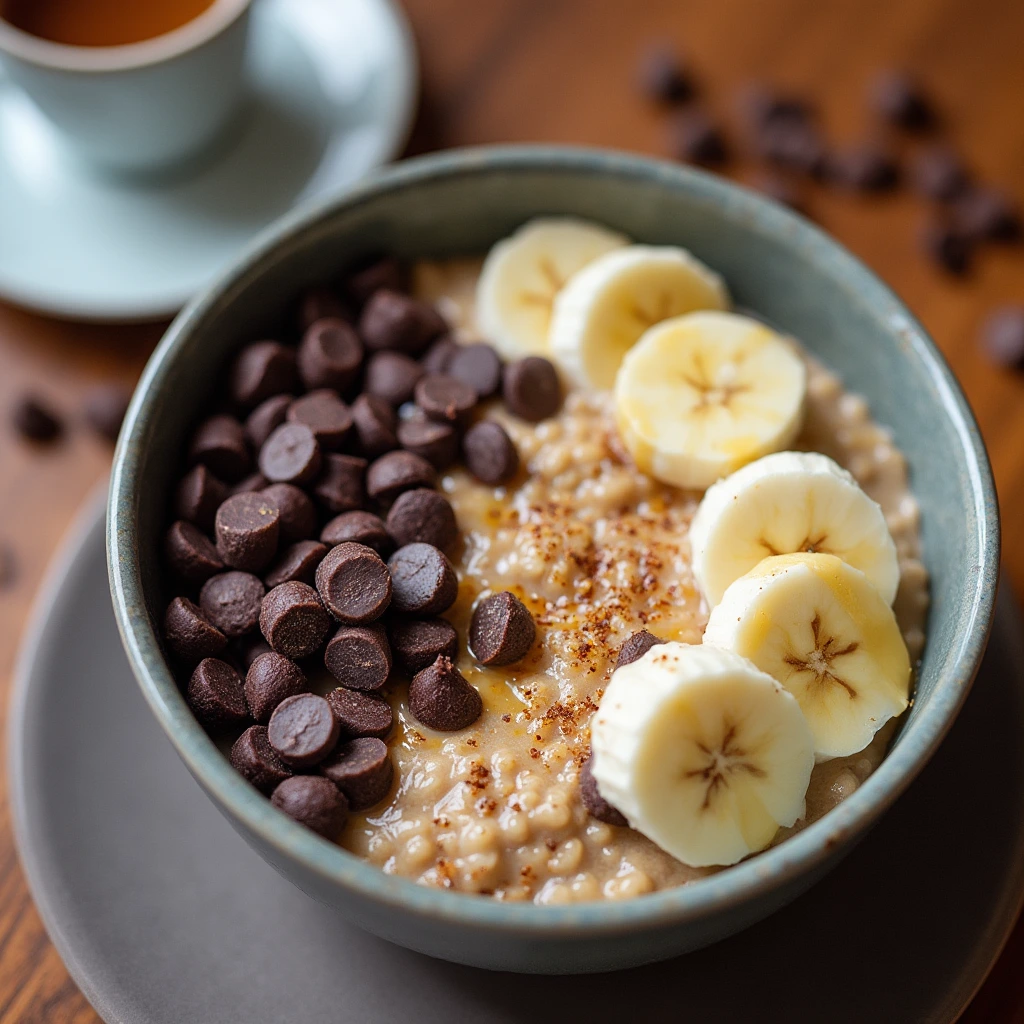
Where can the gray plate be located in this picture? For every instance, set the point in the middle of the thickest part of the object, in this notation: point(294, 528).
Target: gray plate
point(163, 914)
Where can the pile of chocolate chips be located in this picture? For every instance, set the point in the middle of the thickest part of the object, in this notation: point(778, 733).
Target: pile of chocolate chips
point(306, 529)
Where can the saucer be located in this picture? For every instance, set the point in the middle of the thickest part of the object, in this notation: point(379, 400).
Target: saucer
point(162, 913)
point(333, 89)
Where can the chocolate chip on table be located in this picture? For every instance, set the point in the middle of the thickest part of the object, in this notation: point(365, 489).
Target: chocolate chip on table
point(266, 418)
point(198, 496)
point(663, 77)
point(313, 801)
point(444, 398)
point(423, 516)
point(938, 173)
point(780, 189)
point(392, 376)
point(375, 424)
point(354, 584)
point(104, 409)
point(391, 320)
point(325, 414)
point(439, 356)
point(441, 699)
point(303, 730)
point(901, 101)
point(385, 272)
point(359, 657)
point(531, 389)
point(489, 453)
point(362, 769)
point(361, 714)
point(502, 630)
point(35, 421)
point(190, 553)
point(864, 168)
point(593, 801)
point(395, 472)
point(231, 601)
point(260, 370)
point(219, 444)
point(438, 443)
point(298, 513)
point(255, 759)
point(270, 679)
point(794, 145)
point(330, 355)
point(477, 365)
point(215, 694)
point(417, 643)
point(947, 245)
point(637, 646)
point(247, 528)
point(696, 138)
point(1002, 336)
point(764, 107)
point(291, 455)
point(985, 214)
point(248, 648)
point(297, 562)
point(360, 528)
point(293, 619)
point(423, 580)
point(189, 634)
point(319, 303)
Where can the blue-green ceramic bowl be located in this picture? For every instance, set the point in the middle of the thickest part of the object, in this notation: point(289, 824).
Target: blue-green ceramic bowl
point(776, 264)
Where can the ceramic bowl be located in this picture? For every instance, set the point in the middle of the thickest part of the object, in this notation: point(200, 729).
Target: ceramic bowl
point(776, 264)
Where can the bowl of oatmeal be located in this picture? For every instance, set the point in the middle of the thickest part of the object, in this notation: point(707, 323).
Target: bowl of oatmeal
point(553, 559)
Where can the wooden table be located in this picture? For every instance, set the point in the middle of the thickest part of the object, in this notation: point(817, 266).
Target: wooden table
point(562, 71)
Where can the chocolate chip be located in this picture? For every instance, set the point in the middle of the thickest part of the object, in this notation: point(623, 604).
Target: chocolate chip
point(360, 528)
point(441, 699)
point(362, 770)
point(764, 107)
point(190, 553)
point(271, 678)
point(375, 424)
point(231, 601)
point(291, 455)
point(266, 418)
point(502, 630)
point(105, 407)
point(531, 389)
point(247, 528)
point(423, 580)
point(779, 189)
point(320, 303)
point(439, 356)
point(255, 759)
point(361, 714)
point(636, 647)
point(696, 138)
point(392, 376)
point(901, 101)
point(189, 635)
point(423, 516)
point(1002, 336)
point(313, 801)
point(662, 76)
point(939, 173)
point(215, 694)
point(325, 414)
point(219, 444)
point(444, 398)
point(395, 472)
point(303, 730)
point(477, 365)
point(330, 355)
point(359, 657)
point(987, 215)
point(864, 168)
point(354, 584)
point(391, 320)
point(489, 453)
point(438, 443)
point(35, 421)
point(385, 272)
point(293, 620)
point(947, 246)
point(248, 648)
point(296, 509)
point(260, 370)
point(417, 643)
point(297, 562)
point(198, 496)
point(593, 801)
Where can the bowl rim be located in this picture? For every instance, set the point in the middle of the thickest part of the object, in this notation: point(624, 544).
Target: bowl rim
point(757, 877)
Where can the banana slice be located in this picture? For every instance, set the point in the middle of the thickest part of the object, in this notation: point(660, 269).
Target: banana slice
point(703, 753)
point(603, 309)
point(523, 273)
point(700, 395)
point(820, 628)
point(787, 502)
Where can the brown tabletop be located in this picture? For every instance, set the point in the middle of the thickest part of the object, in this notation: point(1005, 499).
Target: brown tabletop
point(562, 71)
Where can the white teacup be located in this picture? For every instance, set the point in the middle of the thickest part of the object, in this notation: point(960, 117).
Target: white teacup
point(141, 106)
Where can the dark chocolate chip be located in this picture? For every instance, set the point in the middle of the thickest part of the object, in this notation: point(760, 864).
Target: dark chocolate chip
point(325, 414)
point(303, 730)
point(779, 189)
point(438, 443)
point(395, 472)
point(247, 528)
point(385, 272)
point(441, 699)
point(293, 620)
point(502, 630)
point(354, 583)
point(313, 801)
point(988, 215)
point(219, 444)
point(444, 398)
point(392, 376)
point(637, 646)
point(794, 144)
point(695, 137)
point(531, 389)
point(864, 168)
point(189, 635)
point(423, 516)
point(190, 553)
point(35, 421)
point(375, 424)
point(231, 601)
point(947, 245)
point(361, 714)
point(260, 370)
point(297, 511)
point(330, 355)
point(340, 487)
point(215, 694)
point(247, 649)
point(105, 407)
point(477, 365)
point(764, 107)
point(319, 303)
point(255, 759)
point(663, 77)
point(593, 801)
point(901, 101)
point(362, 770)
point(360, 528)
point(198, 496)
point(423, 580)
point(359, 657)
point(391, 320)
point(417, 643)
point(270, 679)
point(296, 563)
point(489, 453)
point(250, 485)
point(1002, 336)
point(266, 418)
point(291, 455)
point(939, 173)
point(439, 356)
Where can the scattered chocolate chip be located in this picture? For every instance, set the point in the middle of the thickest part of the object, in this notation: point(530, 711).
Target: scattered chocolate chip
point(391, 320)
point(297, 512)
point(105, 407)
point(375, 424)
point(947, 245)
point(395, 472)
point(231, 601)
point(35, 421)
point(438, 443)
point(291, 455)
point(502, 630)
point(531, 389)
point(340, 487)
point(266, 418)
point(297, 563)
point(359, 657)
point(637, 646)
point(423, 516)
point(247, 528)
point(198, 496)
point(662, 76)
point(441, 699)
point(489, 453)
point(354, 583)
point(386, 273)
point(361, 714)
point(330, 355)
point(313, 801)
point(779, 189)
point(271, 678)
point(360, 528)
point(260, 370)
point(696, 138)
point(765, 108)
point(250, 485)
point(1002, 336)
point(477, 365)
point(190, 553)
point(248, 648)
point(423, 580)
point(864, 168)
point(392, 376)
point(215, 694)
point(303, 730)
point(938, 173)
point(444, 398)
point(255, 759)
point(293, 620)
point(901, 101)
point(362, 770)
point(593, 801)
point(189, 635)
point(417, 643)
point(439, 356)
point(319, 303)
point(325, 414)
point(987, 215)
point(219, 444)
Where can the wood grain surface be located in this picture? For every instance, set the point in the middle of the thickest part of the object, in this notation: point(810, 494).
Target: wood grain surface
point(562, 71)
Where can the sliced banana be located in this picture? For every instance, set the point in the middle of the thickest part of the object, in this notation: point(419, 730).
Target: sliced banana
point(820, 628)
point(703, 753)
point(787, 502)
point(523, 273)
point(603, 309)
point(700, 395)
